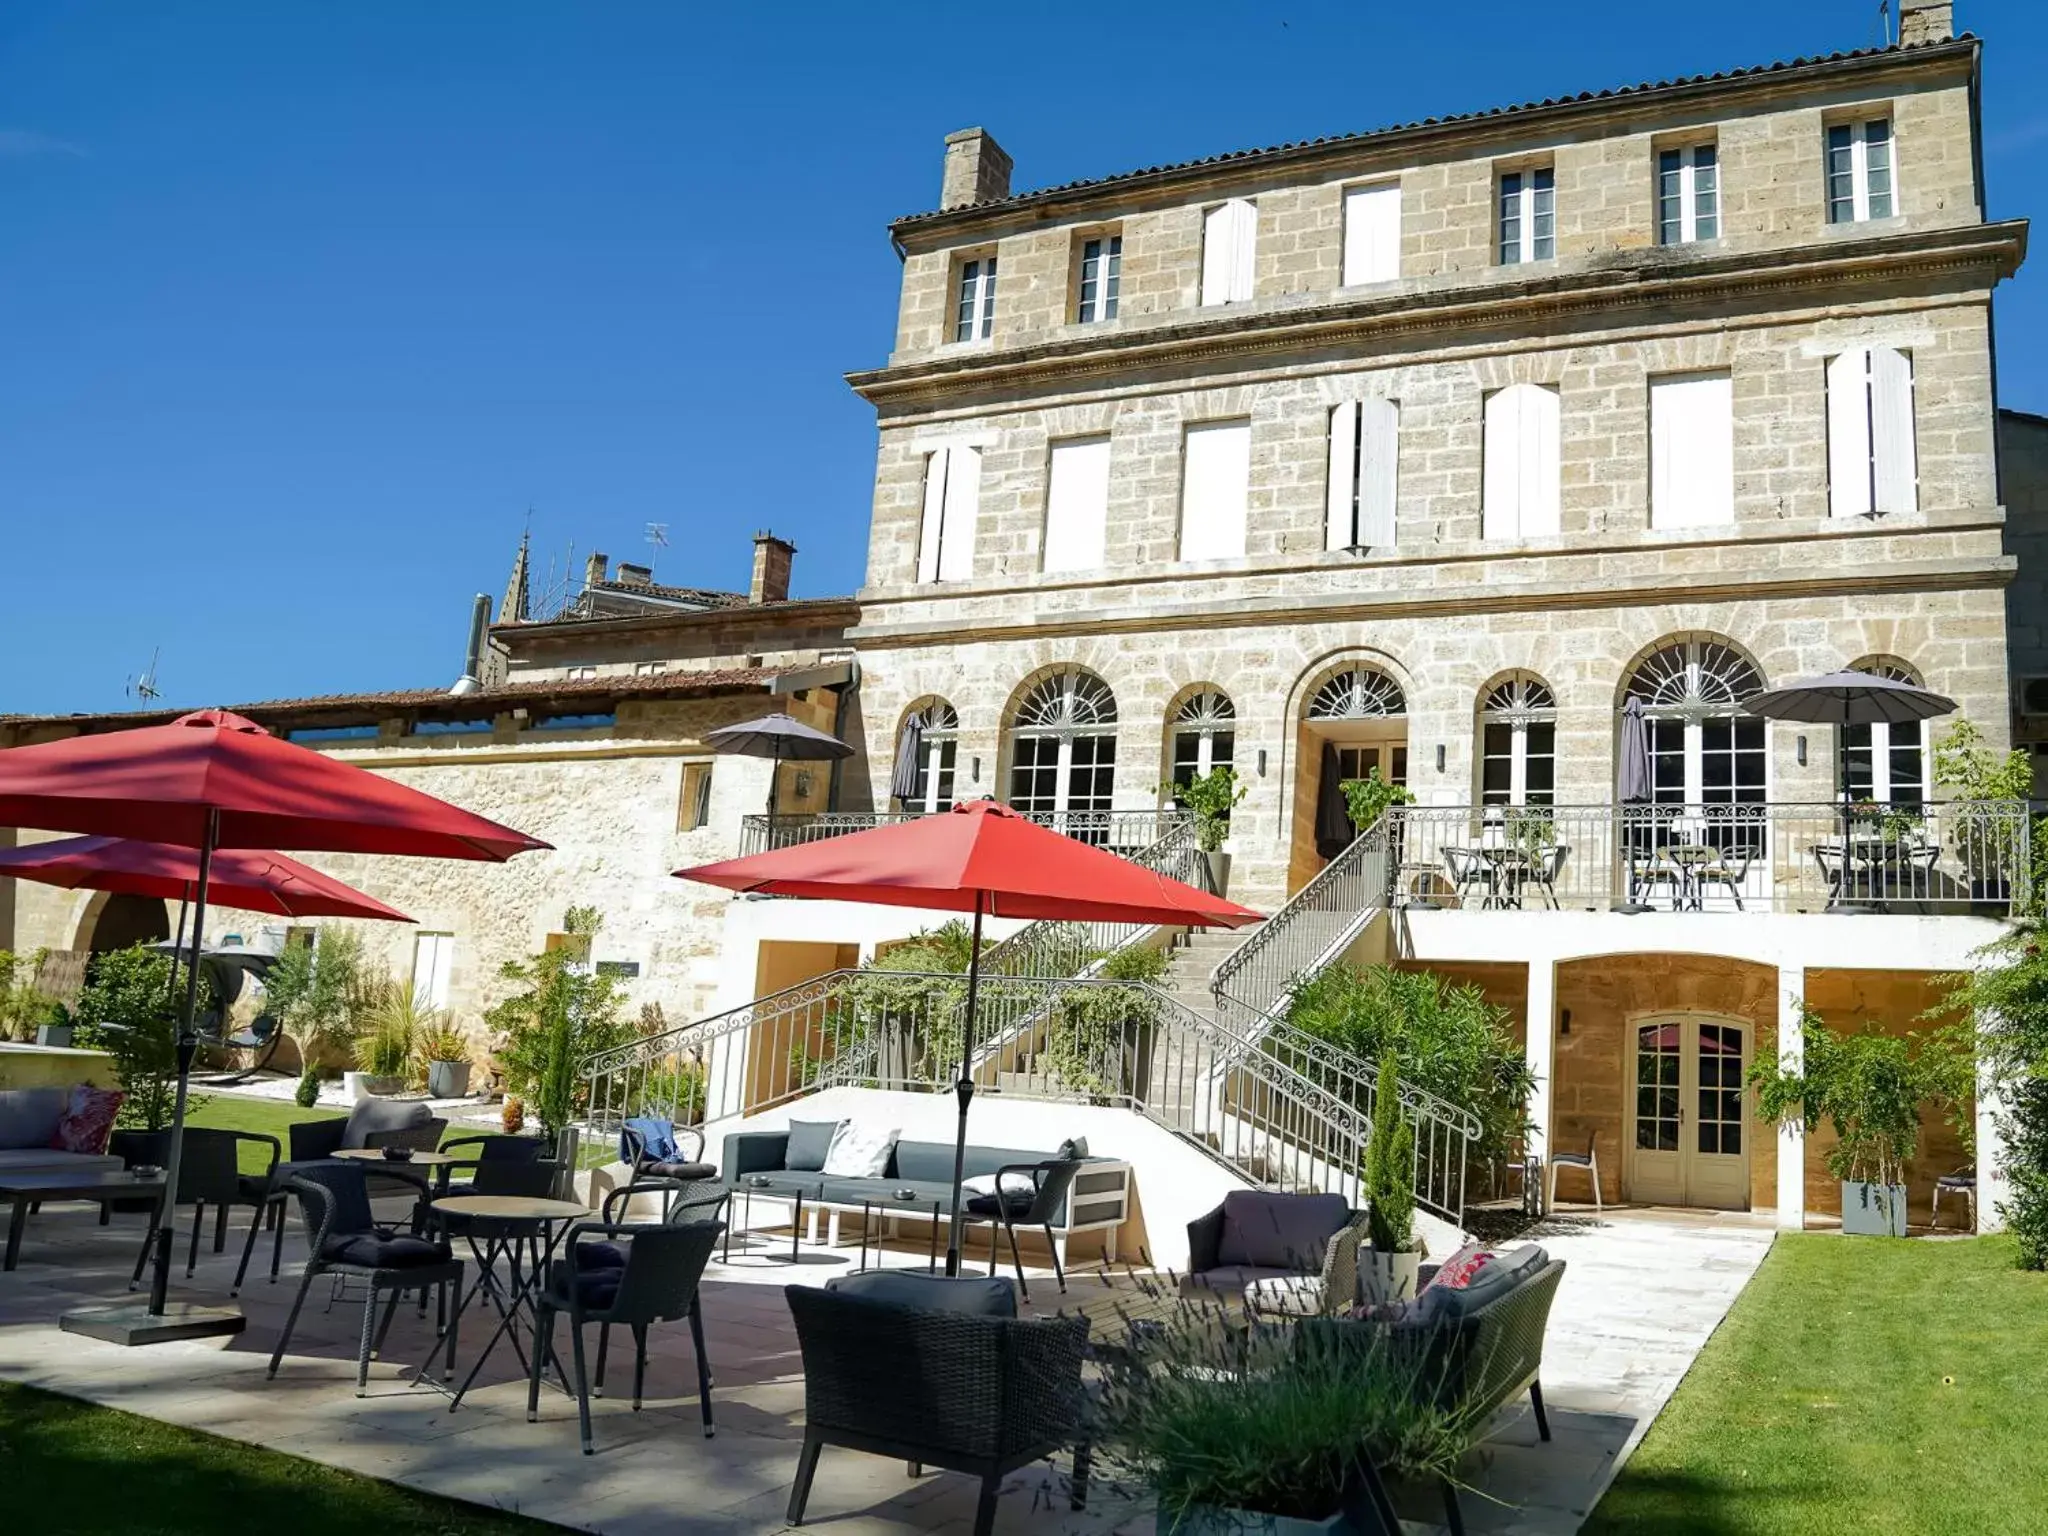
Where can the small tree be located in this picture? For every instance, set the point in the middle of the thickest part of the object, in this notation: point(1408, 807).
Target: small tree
point(126, 1009)
point(323, 992)
point(563, 1014)
point(1390, 1166)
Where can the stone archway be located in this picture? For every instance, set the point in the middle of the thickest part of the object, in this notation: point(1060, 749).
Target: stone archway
point(125, 921)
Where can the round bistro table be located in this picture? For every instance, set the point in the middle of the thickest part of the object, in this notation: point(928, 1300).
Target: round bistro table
point(505, 1222)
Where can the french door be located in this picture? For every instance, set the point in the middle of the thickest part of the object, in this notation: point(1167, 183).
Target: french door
point(1690, 1140)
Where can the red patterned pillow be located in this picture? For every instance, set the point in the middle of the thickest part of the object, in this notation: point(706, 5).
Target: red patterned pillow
point(1462, 1267)
point(88, 1119)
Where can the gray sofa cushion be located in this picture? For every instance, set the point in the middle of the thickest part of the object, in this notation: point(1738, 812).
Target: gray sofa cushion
point(994, 1297)
point(373, 1115)
point(809, 1141)
point(1289, 1233)
point(29, 1116)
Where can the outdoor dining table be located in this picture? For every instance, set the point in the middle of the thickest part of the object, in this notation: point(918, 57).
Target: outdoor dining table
point(1687, 860)
point(506, 1222)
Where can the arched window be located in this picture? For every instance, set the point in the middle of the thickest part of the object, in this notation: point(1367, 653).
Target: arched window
point(1886, 763)
point(1063, 753)
point(1204, 735)
point(1703, 749)
point(937, 745)
point(1518, 744)
point(1362, 693)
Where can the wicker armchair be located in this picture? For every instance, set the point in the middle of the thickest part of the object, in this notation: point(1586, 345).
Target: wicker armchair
point(970, 1393)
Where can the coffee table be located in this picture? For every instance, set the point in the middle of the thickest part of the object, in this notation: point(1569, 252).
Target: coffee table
point(26, 1189)
point(896, 1205)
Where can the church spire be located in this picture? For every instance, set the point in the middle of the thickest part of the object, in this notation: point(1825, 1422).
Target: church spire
point(514, 608)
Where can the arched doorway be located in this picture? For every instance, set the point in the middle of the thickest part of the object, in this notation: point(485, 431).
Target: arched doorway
point(1354, 724)
point(126, 921)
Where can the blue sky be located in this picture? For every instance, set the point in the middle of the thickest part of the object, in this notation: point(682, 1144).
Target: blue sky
point(304, 306)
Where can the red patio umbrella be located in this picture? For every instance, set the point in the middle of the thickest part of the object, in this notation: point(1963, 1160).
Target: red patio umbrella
point(982, 858)
point(249, 878)
point(210, 780)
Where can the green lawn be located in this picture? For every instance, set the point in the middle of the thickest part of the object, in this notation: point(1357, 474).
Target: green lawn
point(1859, 1384)
point(71, 1469)
point(269, 1116)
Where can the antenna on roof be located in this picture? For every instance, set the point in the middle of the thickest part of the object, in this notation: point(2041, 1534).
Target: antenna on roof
point(1884, 23)
point(144, 687)
point(657, 540)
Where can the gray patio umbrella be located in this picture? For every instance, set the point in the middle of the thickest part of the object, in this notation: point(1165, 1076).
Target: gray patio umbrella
point(1632, 786)
point(909, 747)
point(1843, 699)
point(780, 739)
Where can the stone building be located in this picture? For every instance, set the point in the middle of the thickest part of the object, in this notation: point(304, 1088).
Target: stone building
point(1435, 451)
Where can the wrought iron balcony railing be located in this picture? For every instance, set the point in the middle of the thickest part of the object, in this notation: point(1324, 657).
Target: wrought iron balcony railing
point(1970, 857)
point(1125, 832)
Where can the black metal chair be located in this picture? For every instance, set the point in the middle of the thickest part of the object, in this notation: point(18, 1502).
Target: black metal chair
point(497, 1168)
point(972, 1391)
point(343, 1238)
point(1006, 1211)
point(681, 1159)
point(652, 1279)
point(209, 1174)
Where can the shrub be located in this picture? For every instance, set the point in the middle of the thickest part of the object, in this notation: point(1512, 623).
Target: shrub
point(1367, 799)
point(126, 1009)
point(307, 1094)
point(393, 1025)
point(1098, 1034)
point(23, 1004)
point(1449, 1039)
point(563, 1015)
point(2004, 1009)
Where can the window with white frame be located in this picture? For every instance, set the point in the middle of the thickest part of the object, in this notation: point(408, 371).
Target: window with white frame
point(1372, 234)
point(938, 746)
point(1887, 763)
point(1230, 242)
point(952, 504)
point(1705, 750)
point(1692, 450)
point(974, 299)
point(1528, 215)
point(1216, 465)
point(1520, 489)
point(1860, 171)
point(1063, 754)
point(1077, 504)
point(1872, 464)
point(433, 955)
point(1688, 194)
point(1364, 455)
point(693, 802)
point(1204, 735)
point(1101, 272)
point(1518, 744)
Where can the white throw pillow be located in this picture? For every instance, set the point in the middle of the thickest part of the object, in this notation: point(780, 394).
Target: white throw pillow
point(1013, 1184)
point(860, 1151)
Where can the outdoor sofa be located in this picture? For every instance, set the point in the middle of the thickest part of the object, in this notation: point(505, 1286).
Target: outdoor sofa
point(917, 1177)
point(28, 1127)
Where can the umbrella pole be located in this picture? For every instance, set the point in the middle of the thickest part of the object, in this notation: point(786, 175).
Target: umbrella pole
point(177, 946)
point(188, 1047)
point(964, 1089)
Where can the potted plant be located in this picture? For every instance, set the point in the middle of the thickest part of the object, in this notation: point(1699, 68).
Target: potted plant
point(1870, 1087)
point(1210, 798)
point(383, 1052)
point(1239, 1431)
point(1367, 800)
point(1390, 1265)
point(444, 1051)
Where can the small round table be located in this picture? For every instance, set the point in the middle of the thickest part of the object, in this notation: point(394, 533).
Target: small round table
point(1689, 859)
point(417, 1160)
point(504, 1221)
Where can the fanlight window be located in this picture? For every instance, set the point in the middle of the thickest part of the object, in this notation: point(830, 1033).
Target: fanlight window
point(937, 720)
point(1360, 694)
point(937, 751)
point(1208, 708)
point(1697, 677)
point(1520, 698)
point(1065, 703)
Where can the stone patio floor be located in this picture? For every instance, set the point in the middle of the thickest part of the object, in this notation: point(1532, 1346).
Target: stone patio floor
point(1641, 1293)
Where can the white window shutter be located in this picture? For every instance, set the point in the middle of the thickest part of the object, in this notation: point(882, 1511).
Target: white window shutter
point(932, 527)
point(1215, 477)
point(1501, 493)
point(1893, 463)
point(1343, 483)
point(1077, 505)
point(962, 510)
point(1219, 248)
point(1849, 434)
point(1247, 250)
point(1541, 513)
point(1692, 451)
point(1378, 458)
point(1372, 234)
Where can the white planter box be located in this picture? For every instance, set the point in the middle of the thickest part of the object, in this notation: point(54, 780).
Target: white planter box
point(1873, 1210)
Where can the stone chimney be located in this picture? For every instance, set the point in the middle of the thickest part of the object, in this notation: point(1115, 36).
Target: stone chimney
point(597, 571)
point(1925, 21)
point(977, 170)
point(635, 575)
point(772, 559)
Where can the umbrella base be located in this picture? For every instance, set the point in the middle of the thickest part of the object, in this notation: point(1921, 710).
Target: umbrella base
point(134, 1324)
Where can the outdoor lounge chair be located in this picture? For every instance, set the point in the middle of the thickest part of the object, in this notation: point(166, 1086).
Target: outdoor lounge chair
point(653, 1278)
point(1317, 1295)
point(343, 1238)
point(937, 1372)
point(1261, 1235)
point(1587, 1162)
point(1050, 1181)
